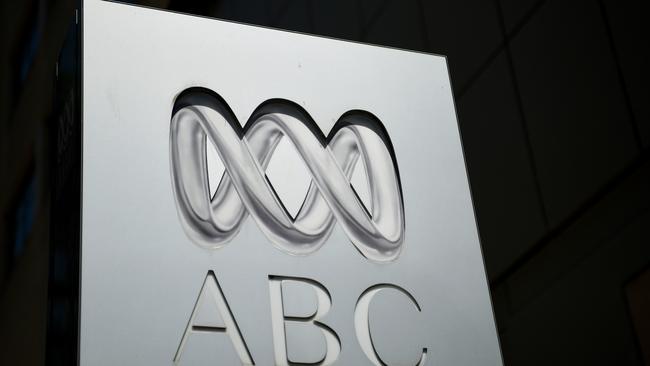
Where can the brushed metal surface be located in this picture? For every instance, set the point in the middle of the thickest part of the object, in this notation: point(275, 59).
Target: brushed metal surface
point(141, 274)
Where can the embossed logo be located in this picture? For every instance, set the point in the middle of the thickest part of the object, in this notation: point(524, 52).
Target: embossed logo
point(201, 116)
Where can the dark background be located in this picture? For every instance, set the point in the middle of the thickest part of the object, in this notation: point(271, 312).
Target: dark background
point(553, 105)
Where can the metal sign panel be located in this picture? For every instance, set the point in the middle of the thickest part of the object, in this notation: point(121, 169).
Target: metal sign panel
point(254, 196)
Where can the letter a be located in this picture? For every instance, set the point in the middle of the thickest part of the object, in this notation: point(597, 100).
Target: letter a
point(211, 291)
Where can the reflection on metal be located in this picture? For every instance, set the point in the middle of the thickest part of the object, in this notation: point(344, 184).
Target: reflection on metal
point(201, 115)
point(279, 318)
point(362, 322)
point(211, 291)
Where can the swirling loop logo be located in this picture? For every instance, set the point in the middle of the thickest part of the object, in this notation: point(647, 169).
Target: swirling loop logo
point(201, 116)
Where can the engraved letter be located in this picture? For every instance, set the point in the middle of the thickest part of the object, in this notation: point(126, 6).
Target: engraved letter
point(211, 291)
point(279, 318)
point(362, 322)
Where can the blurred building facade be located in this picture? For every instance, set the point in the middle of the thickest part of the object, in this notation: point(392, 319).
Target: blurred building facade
point(552, 101)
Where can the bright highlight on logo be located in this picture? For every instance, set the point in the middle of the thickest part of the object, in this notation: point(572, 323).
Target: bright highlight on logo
point(201, 116)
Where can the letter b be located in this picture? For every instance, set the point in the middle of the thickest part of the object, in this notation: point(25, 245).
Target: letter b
point(279, 318)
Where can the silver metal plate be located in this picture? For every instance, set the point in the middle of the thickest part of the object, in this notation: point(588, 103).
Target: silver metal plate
point(170, 277)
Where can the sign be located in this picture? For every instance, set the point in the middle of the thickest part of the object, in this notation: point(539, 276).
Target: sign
point(259, 197)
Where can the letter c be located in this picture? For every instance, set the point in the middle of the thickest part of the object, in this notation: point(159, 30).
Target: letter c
point(362, 322)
